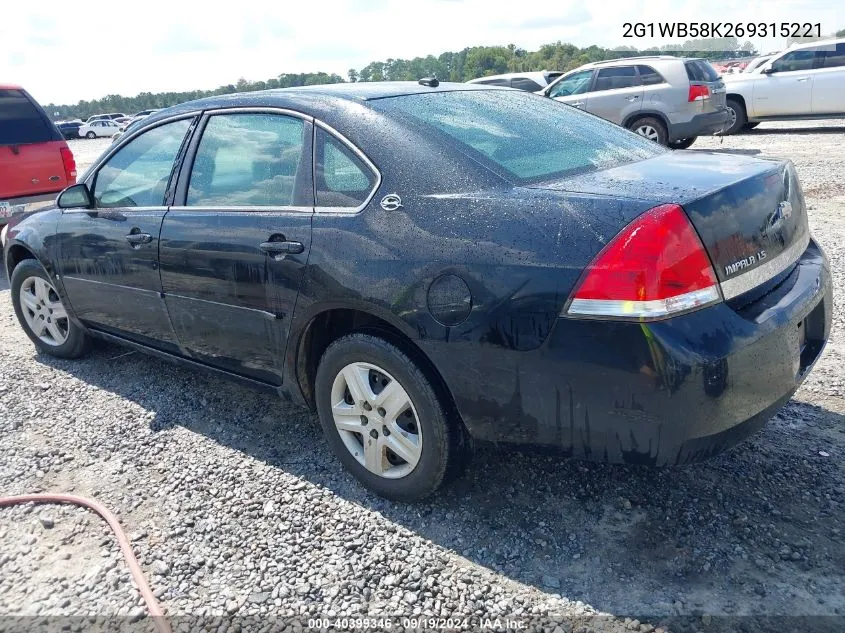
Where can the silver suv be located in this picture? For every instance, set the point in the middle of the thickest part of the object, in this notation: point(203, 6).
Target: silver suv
point(670, 100)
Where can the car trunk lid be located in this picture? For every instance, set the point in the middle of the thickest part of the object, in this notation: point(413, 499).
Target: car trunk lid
point(749, 213)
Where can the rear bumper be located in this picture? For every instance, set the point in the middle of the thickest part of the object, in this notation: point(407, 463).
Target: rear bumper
point(699, 125)
point(658, 393)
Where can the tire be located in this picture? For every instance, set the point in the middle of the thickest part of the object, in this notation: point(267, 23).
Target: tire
point(736, 116)
point(651, 128)
point(90, 135)
point(751, 126)
point(63, 338)
point(431, 440)
point(682, 143)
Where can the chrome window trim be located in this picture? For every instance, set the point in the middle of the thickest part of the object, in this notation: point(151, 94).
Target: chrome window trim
point(741, 284)
point(361, 155)
point(240, 209)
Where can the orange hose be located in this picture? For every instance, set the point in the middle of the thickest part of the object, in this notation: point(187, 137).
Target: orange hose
point(161, 624)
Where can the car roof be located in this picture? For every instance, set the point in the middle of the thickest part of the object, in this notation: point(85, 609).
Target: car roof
point(10, 87)
point(529, 73)
point(315, 98)
point(831, 42)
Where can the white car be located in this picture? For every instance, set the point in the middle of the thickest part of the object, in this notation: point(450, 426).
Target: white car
point(530, 81)
point(806, 81)
point(103, 127)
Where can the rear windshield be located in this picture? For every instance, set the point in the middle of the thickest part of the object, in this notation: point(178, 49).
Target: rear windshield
point(700, 70)
point(20, 120)
point(523, 137)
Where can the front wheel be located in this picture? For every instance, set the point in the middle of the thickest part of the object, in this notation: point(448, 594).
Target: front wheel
point(383, 419)
point(651, 128)
point(42, 315)
point(90, 135)
point(682, 143)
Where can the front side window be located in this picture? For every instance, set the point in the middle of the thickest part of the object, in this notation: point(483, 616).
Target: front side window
point(342, 178)
point(522, 137)
point(575, 84)
point(138, 174)
point(248, 160)
point(614, 78)
point(798, 60)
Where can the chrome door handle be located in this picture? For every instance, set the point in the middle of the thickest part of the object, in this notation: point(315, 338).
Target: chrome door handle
point(634, 98)
point(577, 104)
point(282, 248)
point(136, 239)
point(803, 79)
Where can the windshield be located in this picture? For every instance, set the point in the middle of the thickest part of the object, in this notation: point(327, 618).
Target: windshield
point(754, 64)
point(523, 137)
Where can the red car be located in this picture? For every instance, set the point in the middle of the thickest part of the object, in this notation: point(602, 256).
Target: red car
point(35, 161)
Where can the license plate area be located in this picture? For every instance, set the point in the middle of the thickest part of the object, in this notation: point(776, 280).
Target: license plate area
point(5, 209)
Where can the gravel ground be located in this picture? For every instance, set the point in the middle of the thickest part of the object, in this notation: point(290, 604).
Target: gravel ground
point(235, 506)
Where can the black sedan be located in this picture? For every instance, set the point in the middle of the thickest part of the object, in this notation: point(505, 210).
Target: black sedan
point(69, 129)
point(431, 265)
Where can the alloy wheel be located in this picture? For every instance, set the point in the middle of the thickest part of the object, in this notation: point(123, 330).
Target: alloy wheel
point(376, 420)
point(647, 131)
point(43, 311)
point(731, 118)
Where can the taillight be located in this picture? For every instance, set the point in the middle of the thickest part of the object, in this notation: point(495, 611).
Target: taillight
point(698, 93)
point(655, 267)
point(69, 164)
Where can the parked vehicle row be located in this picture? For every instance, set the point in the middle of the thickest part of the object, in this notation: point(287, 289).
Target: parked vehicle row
point(461, 261)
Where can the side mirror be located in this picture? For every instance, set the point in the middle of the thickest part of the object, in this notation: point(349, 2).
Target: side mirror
point(75, 197)
point(768, 70)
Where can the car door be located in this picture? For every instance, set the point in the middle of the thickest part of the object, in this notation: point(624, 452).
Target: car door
point(571, 89)
point(829, 83)
point(234, 248)
point(787, 89)
point(108, 254)
point(616, 93)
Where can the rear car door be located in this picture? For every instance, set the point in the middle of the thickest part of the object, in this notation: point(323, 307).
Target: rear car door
point(788, 88)
point(829, 83)
point(34, 158)
point(616, 94)
point(108, 255)
point(234, 247)
point(572, 89)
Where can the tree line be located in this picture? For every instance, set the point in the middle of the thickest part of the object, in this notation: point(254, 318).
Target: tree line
point(472, 62)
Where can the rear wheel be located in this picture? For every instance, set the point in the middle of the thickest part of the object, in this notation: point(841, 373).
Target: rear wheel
point(90, 135)
point(736, 116)
point(682, 143)
point(383, 419)
point(42, 315)
point(651, 128)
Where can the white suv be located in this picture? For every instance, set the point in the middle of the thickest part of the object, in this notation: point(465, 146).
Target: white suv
point(806, 81)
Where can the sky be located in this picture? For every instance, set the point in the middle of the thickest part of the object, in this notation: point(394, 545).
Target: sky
point(62, 52)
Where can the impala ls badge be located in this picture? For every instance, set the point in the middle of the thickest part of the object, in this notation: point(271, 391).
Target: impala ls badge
point(391, 202)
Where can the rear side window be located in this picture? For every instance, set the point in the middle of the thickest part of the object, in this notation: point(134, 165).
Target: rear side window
point(700, 70)
point(835, 59)
point(495, 82)
point(247, 160)
point(21, 121)
point(342, 178)
point(613, 78)
point(138, 174)
point(522, 137)
point(649, 76)
point(524, 83)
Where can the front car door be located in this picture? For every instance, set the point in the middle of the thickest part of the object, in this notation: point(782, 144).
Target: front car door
point(572, 89)
point(108, 255)
point(234, 246)
point(788, 88)
point(616, 94)
point(829, 83)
